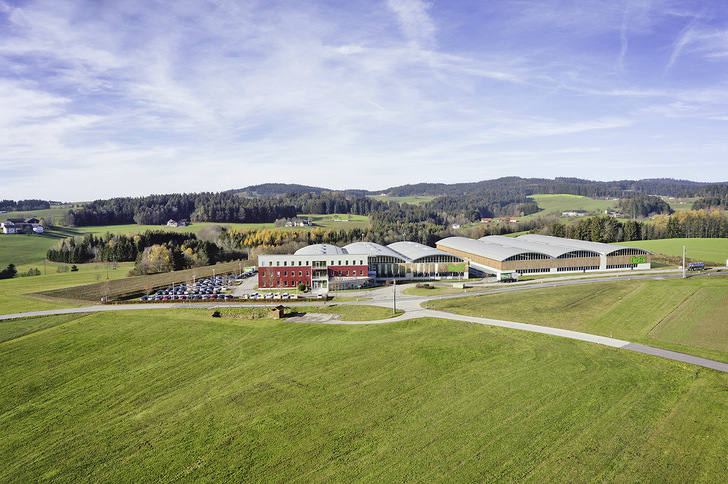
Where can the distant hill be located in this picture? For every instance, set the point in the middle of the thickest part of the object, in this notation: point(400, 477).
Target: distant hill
point(527, 186)
point(274, 189)
point(266, 190)
point(574, 186)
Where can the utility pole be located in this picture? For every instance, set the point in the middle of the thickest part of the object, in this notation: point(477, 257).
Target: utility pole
point(684, 273)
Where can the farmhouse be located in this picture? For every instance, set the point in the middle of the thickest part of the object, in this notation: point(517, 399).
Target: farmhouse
point(536, 254)
point(325, 267)
point(21, 226)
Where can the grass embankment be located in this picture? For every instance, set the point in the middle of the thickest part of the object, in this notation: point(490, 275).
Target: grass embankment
point(347, 313)
point(180, 396)
point(687, 315)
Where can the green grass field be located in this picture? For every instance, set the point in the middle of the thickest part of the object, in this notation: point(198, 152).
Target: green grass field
point(56, 211)
point(26, 251)
point(714, 251)
point(681, 203)
point(555, 204)
point(14, 293)
point(164, 396)
point(687, 315)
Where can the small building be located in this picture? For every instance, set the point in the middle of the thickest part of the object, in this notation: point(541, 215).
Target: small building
point(573, 213)
point(172, 223)
point(278, 312)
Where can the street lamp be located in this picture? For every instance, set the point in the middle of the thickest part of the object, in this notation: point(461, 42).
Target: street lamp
point(394, 286)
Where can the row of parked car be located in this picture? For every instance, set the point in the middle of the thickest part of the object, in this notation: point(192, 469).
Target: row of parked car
point(205, 288)
point(186, 297)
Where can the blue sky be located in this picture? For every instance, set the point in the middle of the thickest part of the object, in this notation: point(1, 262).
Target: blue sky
point(105, 98)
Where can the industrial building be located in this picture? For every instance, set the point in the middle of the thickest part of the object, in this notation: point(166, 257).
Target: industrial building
point(541, 254)
point(325, 267)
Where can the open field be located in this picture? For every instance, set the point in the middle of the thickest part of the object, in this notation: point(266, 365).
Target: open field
point(555, 204)
point(714, 251)
point(14, 292)
point(687, 315)
point(680, 204)
point(54, 211)
point(180, 396)
point(413, 200)
point(27, 251)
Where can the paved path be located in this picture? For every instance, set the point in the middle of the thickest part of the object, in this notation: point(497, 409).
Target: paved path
point(412, 306)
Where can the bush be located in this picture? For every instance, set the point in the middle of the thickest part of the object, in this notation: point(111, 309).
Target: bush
point(9, 272)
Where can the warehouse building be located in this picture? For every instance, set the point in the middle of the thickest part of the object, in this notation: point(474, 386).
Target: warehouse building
point(541, 254)
point(325, 267)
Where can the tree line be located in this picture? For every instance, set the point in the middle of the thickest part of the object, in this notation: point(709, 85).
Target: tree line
point(563, 185)
point(636, 205)
point(198, 207)
point(606, 229)
point(24, 205)
point(153, 251)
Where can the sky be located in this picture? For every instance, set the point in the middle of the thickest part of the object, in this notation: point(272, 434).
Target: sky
point(105, 98)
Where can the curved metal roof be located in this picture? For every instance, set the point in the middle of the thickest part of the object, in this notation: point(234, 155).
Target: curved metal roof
point(525, 246)
point(480, 248)
point(574, 244)
point(500, 248)
point(373, 249)
point(321, 249)
point(416, 251)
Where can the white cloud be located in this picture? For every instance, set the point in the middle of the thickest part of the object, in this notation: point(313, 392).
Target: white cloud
point(414, 20)
point(284, 91)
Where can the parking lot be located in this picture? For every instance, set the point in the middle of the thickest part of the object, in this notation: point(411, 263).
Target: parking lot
point(212, 288)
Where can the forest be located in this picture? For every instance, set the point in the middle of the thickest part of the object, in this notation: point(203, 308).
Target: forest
point(158, 209)
point(606, 229)
point(153, 251)
point(23, 205)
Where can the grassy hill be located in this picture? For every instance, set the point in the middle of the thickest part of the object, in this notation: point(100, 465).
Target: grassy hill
point(553, 205)
point(184, 397)
point(686, 315)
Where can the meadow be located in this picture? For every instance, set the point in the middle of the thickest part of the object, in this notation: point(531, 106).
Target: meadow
point(557, 203)
point(162, 396)
point(687, 315)
point(18, 294)
point(714, 251)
